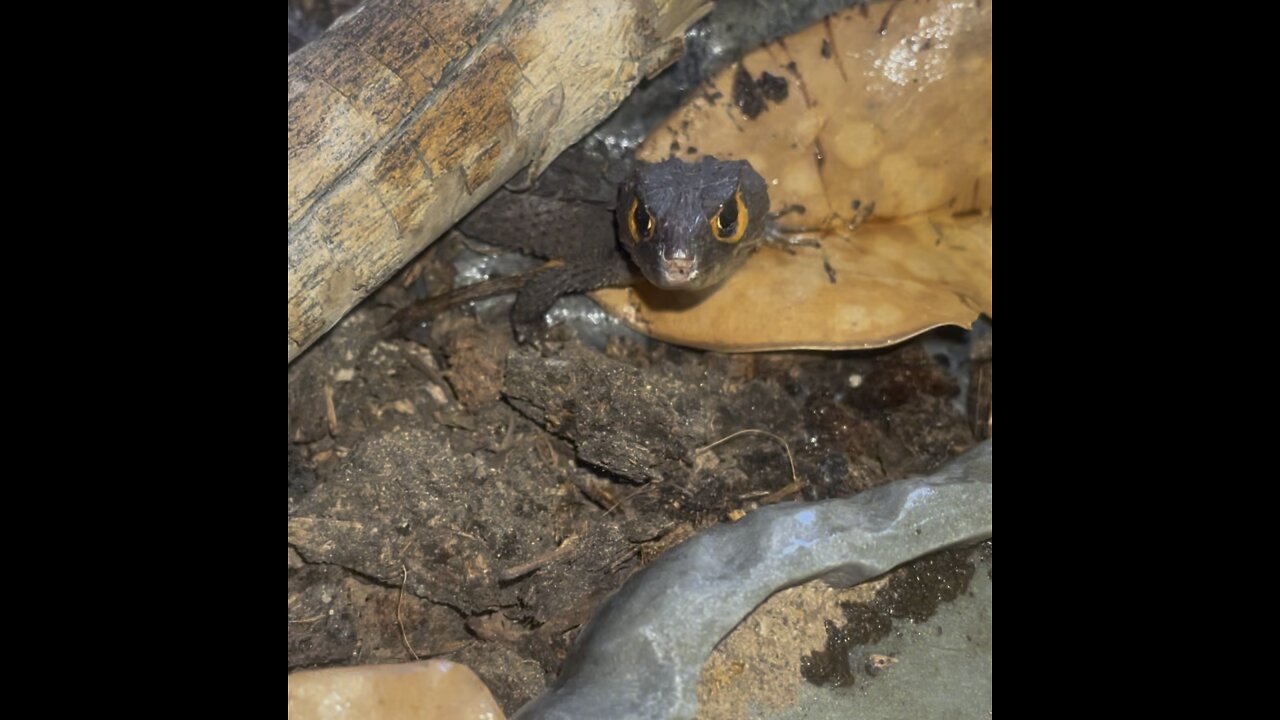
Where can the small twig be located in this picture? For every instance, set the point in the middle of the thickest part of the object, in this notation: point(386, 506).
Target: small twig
point(595, 493)
point(330, 411)
point(794, 478)
point(310, 619)
point(552, 457)
point(624, 556)
point(782, 492)
point(516, 571)
point(644, 489)
point(508, 438)
point(687, 492)
point(400, 621)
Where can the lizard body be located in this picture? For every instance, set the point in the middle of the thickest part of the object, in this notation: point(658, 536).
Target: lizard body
point(685, 226)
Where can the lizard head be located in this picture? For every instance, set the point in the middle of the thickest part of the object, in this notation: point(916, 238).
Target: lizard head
point(690, 225)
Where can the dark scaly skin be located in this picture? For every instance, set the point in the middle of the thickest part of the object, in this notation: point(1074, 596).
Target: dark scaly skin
point(592, 241)
point(579, 234)
point(682, 203)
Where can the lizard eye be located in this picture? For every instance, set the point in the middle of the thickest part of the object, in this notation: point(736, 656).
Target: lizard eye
point(639, 221)
point(730, 221)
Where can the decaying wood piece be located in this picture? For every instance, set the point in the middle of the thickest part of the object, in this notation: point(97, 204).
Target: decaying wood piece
point(408, 113)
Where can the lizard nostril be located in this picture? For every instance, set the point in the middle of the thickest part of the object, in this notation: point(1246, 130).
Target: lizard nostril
point(679, 268)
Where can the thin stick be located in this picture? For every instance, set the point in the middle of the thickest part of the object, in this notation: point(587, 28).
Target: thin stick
point(400, 621)
point(309, 620)
point(794, 478)
point(782, 492)
point(644, 489)
point(516, 571)
point(330, 412)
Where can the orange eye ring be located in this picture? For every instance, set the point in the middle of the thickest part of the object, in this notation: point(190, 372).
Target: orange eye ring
point(633, 222)
point(731, 228)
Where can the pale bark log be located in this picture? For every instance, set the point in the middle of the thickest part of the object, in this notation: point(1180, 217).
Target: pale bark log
point(408, 113)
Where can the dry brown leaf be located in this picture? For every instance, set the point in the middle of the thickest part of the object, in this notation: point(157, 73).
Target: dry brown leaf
point(902, 119)
point(892, 281)
point(891, 107)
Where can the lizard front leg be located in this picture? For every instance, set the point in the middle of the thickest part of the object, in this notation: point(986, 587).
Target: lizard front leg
point(810, 237)
point(571, 276)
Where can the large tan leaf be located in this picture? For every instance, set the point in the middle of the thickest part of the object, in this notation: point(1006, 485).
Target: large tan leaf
point(890, 105)
point(888, 282)
point(436, 689)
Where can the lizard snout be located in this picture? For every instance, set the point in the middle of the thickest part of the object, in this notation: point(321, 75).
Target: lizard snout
point(678, 272)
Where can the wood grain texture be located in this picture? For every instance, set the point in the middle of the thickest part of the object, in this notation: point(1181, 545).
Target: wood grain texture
point(408, 113)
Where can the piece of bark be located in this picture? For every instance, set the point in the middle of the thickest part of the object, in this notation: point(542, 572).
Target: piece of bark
point(408, 113)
